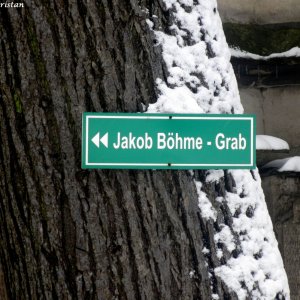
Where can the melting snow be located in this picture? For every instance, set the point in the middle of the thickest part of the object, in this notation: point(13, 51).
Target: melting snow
point(267, 142)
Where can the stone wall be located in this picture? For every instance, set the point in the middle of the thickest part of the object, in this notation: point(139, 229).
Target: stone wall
point(277, 112)
point(259, 11)
point(282, 192)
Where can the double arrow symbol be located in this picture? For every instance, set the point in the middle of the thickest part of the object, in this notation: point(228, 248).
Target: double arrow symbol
point(97, 139)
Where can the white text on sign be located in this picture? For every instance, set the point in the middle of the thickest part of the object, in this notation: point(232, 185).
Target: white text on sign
point(173, 140)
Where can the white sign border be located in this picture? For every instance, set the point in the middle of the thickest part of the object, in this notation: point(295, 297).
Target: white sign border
point(87, 163)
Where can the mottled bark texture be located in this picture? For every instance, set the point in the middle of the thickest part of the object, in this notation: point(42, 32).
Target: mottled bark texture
point(68, 233)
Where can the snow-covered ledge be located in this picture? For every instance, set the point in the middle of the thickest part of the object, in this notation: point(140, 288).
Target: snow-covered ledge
point(289, 164)
point(270, 148)
point(238, 53)
point(271, 143)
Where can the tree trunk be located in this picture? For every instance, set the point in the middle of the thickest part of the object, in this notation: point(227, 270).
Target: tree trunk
point(68, 233)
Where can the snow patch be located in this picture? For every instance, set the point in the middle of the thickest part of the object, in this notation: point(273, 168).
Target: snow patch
point(205, 250)
point(192, 273)
point(214, 175)
point(150, 23)
point(215, 297)
point(206, 208)
point(225, 237)
point(170, 100)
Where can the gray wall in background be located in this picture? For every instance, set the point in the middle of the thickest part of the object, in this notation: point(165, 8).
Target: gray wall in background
point(259, 11)
point(277, 112)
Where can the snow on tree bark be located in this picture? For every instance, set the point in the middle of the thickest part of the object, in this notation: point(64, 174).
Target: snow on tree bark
point(201, 79)
point(67, 233)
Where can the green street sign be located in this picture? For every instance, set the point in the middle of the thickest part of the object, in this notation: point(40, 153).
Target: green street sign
point(168, 141)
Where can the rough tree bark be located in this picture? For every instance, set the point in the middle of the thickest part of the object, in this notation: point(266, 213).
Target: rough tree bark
point(68, 233)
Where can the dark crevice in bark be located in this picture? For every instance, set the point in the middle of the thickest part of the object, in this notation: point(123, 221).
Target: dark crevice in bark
point(92, 262)
point(192, 250)
point(127, 227)
point(146, 238)
point(68, 244)
point(6, 21)
point(208, 256)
